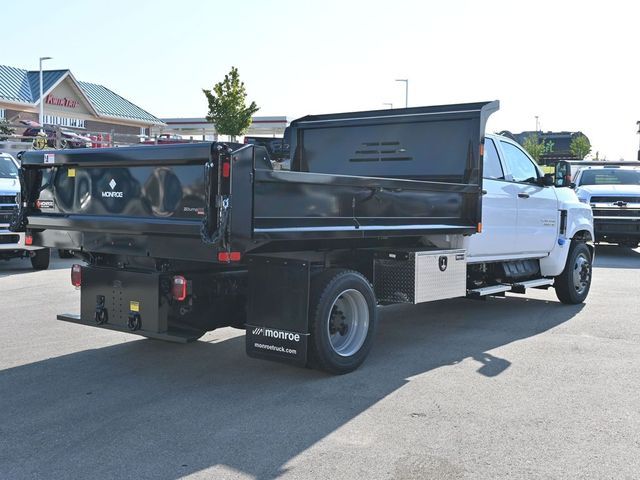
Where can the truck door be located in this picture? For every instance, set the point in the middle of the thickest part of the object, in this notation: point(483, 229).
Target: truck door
point(538, 215)
point(499, 210)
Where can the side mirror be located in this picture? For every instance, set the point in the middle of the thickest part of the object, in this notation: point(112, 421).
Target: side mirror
point(548, 180)
point(562, 174)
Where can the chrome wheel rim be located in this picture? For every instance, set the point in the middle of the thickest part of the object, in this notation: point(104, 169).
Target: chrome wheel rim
point(581, 273)
point(348, 322)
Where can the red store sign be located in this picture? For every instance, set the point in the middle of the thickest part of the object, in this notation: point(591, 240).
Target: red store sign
point(61, 102)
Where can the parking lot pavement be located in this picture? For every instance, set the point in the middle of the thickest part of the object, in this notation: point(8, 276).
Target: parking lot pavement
point(515, 387)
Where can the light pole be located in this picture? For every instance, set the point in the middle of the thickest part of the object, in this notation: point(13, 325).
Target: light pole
point(406, 90)
point(388, 104)
point(42, 99)
point(638, 123)
point(537, 124)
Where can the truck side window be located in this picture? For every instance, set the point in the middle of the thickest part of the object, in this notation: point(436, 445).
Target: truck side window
point(491, 167)
point(521, 168)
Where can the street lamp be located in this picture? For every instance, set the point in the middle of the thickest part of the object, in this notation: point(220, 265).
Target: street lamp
point(638, 123)
point(406, 90)
point(390, 105)
point(42, 99)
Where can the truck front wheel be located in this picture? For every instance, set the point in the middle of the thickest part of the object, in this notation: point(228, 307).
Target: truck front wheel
point(343, 317)
point(572, 285)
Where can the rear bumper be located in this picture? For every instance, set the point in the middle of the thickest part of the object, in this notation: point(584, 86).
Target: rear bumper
point(129, 301)
point(607, 229)
point(171, 335)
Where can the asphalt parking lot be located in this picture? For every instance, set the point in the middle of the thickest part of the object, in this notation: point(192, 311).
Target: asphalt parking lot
point(516, 387)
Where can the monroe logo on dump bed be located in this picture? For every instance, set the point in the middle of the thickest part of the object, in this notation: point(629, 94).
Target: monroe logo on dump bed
point(112, 193)
point(44, 204)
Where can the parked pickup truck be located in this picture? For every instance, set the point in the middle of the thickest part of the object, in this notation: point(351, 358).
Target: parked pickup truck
point(166, 138)
point(12, 244)
point(372, 208)
point(613, 191)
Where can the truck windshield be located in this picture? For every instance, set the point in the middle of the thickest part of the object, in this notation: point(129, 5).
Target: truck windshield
point(610, 176)
point(8, 169)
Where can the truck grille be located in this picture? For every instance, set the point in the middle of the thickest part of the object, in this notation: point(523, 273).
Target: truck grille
point(627, 199)
point(616, 212)
point(7, 205)
point(9, 239)
point(616, 207)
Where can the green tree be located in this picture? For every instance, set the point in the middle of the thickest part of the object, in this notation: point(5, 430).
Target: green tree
point(5, 129)
point(580, 146)
point(227, 105)
point(536, 147)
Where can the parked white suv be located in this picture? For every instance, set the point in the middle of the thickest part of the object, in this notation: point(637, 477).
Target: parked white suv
point(12, 244)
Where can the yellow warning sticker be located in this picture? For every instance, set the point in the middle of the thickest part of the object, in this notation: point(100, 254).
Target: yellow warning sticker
point(71, 172)
point(134, 306)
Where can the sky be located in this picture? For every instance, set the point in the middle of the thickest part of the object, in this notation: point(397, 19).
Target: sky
point(574, 64)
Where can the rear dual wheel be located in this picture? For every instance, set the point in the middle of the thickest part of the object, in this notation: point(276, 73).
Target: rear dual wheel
point(343, 316)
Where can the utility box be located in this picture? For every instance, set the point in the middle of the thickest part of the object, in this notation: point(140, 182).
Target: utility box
point(417, 277)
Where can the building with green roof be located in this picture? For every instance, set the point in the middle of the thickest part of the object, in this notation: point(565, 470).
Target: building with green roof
point(70, 103)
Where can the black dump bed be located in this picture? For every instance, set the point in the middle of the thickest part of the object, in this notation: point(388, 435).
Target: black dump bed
point(350, 177)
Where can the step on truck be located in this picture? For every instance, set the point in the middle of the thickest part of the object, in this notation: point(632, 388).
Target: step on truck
point(370, 208)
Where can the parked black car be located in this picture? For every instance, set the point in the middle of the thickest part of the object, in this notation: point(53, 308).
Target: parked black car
point(69, 139)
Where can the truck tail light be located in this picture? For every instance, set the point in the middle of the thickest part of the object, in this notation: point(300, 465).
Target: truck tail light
point(76, 275)
point(28, 240)
point(229, 256)
point(179, 288)
point(226, 169)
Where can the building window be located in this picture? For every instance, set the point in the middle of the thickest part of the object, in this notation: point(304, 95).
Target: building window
point(2, 113)
point(63, 121)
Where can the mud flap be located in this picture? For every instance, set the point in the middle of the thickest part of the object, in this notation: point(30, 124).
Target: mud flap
point(277, 323)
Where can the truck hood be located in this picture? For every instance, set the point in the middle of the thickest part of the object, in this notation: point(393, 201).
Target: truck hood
point(608, 190)
point(9, 185)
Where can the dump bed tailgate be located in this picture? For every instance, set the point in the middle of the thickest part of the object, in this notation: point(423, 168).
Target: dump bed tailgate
point(136, 200)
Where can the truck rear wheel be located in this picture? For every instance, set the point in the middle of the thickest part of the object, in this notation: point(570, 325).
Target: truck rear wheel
point(343, 315)
point(40, 259)
point(573, 284)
